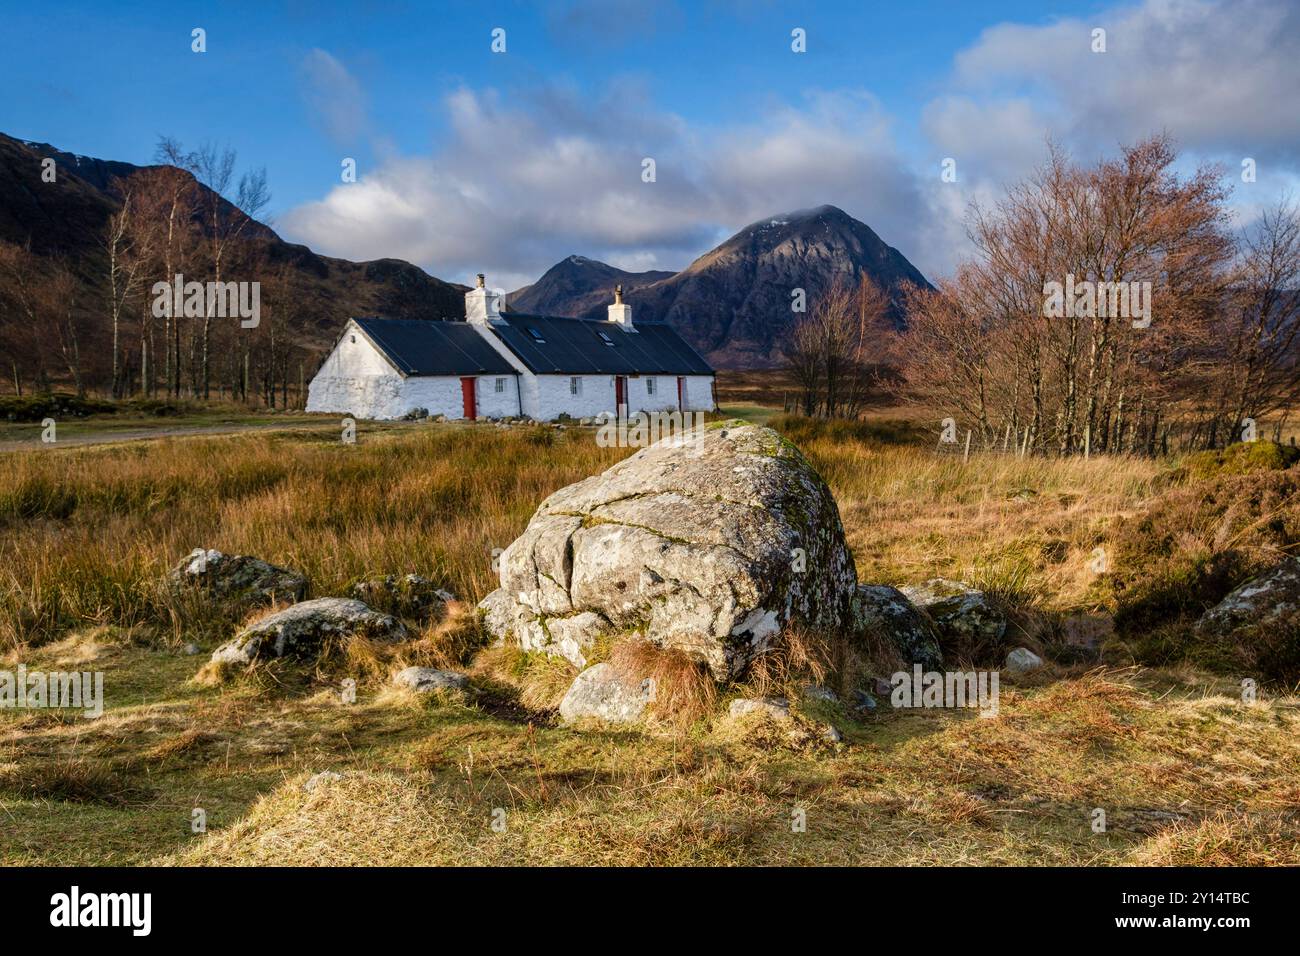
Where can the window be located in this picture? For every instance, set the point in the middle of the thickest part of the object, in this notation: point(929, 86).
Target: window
point(537, 336)
point(604, 337)
point(354, 340)
point(649, 386)
point(501, 385)
point(575, 385)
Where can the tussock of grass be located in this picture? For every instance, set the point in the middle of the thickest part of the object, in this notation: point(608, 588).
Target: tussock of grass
point(538, 681)
point(1226, 839)
point(684, 690)
point(807, 656)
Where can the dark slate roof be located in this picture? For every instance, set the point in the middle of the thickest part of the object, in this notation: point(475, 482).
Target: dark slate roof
point(426, 347)
point(575, 347)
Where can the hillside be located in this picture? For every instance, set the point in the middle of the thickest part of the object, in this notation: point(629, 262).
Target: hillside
point(734, 302)
point(580, 287)
point(66, 220)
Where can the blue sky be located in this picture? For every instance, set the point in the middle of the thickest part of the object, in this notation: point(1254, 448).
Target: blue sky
point(471, 160)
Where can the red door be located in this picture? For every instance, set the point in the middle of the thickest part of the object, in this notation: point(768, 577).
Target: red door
point(620, 395)
point(680, 383)
point(467, 396)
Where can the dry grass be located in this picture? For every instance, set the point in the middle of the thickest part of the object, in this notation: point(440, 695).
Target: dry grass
point(86, 535)
point(684, 691)
point(1187, 772)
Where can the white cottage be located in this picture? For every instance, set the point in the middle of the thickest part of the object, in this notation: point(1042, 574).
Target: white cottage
point(498, 365)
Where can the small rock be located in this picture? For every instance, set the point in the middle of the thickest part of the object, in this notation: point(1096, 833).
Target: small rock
point(832, 733)
point(320, 780)
point(863, 701)
point(882, 686)
point(964, 616)
point(237, 578)
point(823, 694)
point(889, 614)
point(1022, 661)
point(189, 650)
point(426, 680)
point(778, 708)
point(1270, 599)
point(599, 694)
point(410, 596)
point(301, 629)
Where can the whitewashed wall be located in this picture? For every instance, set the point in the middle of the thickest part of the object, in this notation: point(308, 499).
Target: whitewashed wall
point(493, 404)
point(697, 393)
point(554, 396)
point(357, 380)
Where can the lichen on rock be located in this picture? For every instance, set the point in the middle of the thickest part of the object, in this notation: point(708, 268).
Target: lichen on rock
point(711, 545)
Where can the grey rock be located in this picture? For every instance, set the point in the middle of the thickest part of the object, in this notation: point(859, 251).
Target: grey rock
point(890, 614)
point(819, 693)
point(189, 650)
point(863, 701)
point(598, 693)
point(778, 708)
point(237, 579)
point(321, 779)
point(409, 595)
point(962, 614)
point(301, 630)
point(1022, 660)
point(1268, 600)
point(831, 733)
point(690, 543)
point(426, 680)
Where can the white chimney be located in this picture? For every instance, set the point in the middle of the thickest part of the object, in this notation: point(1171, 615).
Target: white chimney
point(619, 313)
point(482, 305)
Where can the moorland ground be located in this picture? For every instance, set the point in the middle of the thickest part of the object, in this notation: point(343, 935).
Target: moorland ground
point(1186, 771)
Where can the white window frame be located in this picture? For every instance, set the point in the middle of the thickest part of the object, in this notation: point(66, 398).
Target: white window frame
point(500, 386)
point(575, 385)
point(650, 385)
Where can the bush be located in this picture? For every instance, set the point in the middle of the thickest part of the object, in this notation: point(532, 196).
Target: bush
point(1239, 459)
point(62, 405)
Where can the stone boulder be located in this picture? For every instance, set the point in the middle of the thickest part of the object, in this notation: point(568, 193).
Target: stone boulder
point(237, 579)
point(964, 617)
point(887, 613)
point(1271, 599)
point(303, 629)
point(409, 595)
point(1022, 660)
point(710, 543)
point(778, 708)
point(426, 680)
point(600, 694)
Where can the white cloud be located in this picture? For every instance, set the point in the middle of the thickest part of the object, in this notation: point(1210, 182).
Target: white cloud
point(1218, 76)
point(334, 97)
point(519, 186)
point(524, 179)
